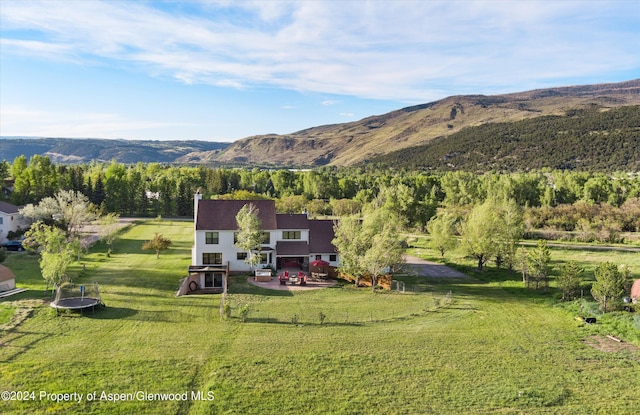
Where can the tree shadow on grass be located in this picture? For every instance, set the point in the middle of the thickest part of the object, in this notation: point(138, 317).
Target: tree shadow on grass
point(10, 351)
point(301, 323)
point(111, 313)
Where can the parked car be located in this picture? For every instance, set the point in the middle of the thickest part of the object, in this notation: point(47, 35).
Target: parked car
point(13, 246)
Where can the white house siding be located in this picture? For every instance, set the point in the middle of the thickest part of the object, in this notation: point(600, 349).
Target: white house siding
point(8, 222)
point(324, 257)
point(226, 247)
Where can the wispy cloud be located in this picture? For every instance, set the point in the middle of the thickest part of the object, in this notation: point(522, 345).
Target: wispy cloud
point(32, 122)
point(403, 50)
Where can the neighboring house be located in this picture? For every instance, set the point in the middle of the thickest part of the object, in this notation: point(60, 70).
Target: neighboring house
point(7, 279)
point(289, 241)
point(10, 220)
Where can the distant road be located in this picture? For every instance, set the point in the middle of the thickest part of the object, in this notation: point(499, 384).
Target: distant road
point(587, 247)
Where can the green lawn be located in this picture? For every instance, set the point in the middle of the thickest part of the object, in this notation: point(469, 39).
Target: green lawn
point(489, 347)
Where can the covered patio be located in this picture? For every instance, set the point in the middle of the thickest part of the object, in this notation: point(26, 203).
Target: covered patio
point(205, 279)
point(274, 284)
point(292, 254)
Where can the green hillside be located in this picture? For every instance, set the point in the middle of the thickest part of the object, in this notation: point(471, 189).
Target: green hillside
point(589, 139)
point(84, 150)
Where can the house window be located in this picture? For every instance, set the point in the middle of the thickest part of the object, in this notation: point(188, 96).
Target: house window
point(212, 279)
point(241, 256)
point(266, 238)
point(264, 258)
point(318, 257)
point(211, 238)
point(1, 218)
point(290, 234)
point(212, 258)
point(333, 258)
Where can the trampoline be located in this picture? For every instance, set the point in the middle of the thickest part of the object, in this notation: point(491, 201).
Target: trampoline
point(77, 298)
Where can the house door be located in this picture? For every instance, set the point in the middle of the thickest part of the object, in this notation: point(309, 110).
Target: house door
point(217, 280)
point(213, 279)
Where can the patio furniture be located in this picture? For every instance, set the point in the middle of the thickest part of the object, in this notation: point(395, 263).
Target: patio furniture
point(318, 276)
point(263, 275)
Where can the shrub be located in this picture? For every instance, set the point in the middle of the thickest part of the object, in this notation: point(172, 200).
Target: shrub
point(243, 312)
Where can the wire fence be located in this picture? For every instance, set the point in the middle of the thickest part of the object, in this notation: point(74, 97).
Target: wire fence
point(344, 315)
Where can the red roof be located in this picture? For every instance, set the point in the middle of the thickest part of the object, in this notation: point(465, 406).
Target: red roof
point(6, 274)
point(320, 236)
point(635, 290)
point(220, 215)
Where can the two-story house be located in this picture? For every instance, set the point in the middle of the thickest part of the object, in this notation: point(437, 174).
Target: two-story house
point(289, 240)
point(10, 220)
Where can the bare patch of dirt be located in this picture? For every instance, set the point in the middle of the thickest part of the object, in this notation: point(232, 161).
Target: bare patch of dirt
point(605, 344)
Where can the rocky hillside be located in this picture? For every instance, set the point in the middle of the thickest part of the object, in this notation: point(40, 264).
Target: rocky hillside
point(399, 132)
point(360, 141)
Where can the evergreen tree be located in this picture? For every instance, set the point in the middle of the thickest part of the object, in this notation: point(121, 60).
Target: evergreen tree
point(610, 285)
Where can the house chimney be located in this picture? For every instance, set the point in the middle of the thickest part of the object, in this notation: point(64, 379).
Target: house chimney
point(196, 198)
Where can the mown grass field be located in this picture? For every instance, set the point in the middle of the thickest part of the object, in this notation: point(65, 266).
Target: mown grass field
point(492, 347)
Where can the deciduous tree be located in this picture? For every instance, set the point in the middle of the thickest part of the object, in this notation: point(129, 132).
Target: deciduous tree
point(56, 254)
point(480, 233)
point(68, 209)
point(370, 245)
point(441, 229)
point(109, 229)
point(384, 249)
point(249, 236)
point(157, 243)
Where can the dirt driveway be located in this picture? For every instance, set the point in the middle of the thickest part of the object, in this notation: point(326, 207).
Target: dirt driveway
point(425, 268)
point(92, 232)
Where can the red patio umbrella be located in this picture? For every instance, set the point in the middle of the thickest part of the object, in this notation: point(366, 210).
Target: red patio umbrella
point(319, 263)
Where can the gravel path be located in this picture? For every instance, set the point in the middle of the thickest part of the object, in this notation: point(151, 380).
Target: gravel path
point(424, 268)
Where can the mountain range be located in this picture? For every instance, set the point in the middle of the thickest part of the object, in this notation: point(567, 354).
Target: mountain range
point(390, 137)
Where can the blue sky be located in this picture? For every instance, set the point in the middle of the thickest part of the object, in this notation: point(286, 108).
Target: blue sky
point(224, 70)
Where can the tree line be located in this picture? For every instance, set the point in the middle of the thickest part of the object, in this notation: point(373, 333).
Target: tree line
point(488, 214)
point(553, 199)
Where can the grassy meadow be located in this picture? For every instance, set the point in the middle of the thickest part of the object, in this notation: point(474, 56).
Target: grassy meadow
point(478, 345)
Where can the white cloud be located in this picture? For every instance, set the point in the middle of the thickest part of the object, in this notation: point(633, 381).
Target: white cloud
point(404, 50)
point(31, 122)
point(347, 114)
point(329, 102)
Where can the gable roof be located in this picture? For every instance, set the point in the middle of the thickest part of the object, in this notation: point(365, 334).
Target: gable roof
point(6, 274)
point(320, 236)
point(292, 221)
point(8, 207)
point(220, 215)
point(635, 290)
point(293, 248)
